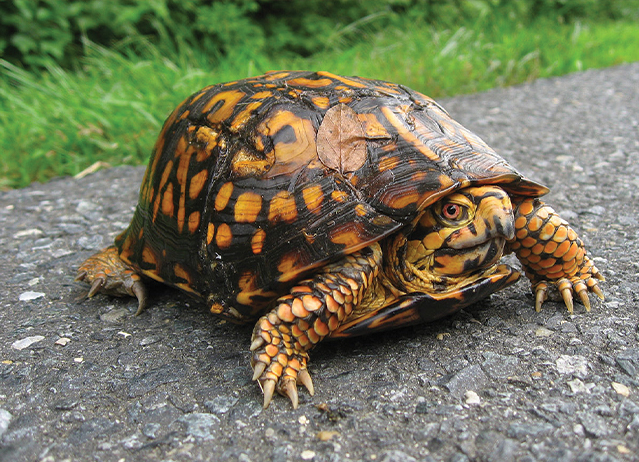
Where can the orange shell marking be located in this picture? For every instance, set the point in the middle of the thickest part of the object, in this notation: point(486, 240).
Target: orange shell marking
point(230, 99)
point(247, 207)
point(223, 196)
point(282, 208)
point(313, 198)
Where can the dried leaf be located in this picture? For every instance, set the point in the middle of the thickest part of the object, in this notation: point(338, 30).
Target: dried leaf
point(341, 142)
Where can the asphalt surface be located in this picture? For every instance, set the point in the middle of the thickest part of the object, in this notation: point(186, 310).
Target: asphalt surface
point(86, 380)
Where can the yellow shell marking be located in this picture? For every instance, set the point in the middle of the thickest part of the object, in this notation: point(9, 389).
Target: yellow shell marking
point(345, 80)
point(224, 236)
point(163, 180)
point(240, 120)
point(247, 207)
point(282, 208)
point(223, 196)
point(230, 98)
point(313, 198)
point(168, 206)
point(194, 221)
point(197, 183)
point(321, 102)
point(302, 82)
point(407, 134)
point(257, 241)
point(291, 156)
point(210, 232)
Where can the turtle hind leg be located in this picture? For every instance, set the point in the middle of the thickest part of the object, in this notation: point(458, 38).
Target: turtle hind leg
point(108, 274)
point(553, 255)
point(301, 319)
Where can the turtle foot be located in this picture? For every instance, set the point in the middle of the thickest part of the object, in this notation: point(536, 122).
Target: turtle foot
point(108, 274)
point(279, 362)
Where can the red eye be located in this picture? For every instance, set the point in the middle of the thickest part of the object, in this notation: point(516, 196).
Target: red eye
point(451, 211)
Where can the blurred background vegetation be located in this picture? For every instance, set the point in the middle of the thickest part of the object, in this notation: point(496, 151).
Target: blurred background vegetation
point(83, 81)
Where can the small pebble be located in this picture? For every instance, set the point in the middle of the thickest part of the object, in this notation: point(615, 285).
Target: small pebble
point(621, 389)
point(472, 397)
point(116, 315)
point(543, 332)
point(577, 386)
point(5, 420)
point(326, 435)
point(33, 232)
point(30, 295)
point(62, 341)
point(308, 454)
point(26, 342)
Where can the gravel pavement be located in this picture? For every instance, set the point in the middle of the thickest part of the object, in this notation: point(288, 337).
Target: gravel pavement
point(85, 380)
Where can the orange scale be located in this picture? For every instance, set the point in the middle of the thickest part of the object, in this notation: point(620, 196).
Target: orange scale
point(535, 223)
point(528, 242)
point(521, 234)
point(537, 249)
point(534, 258)
point(339, 298)
point(277, 368)
point(285, 313)
point(550, 247)
point(547, 232)
point(311, 303)
point(271, 350)
point(303, 340)
point(556, 221)
point(572, 252)
point(298, 309)
point(331, 304)
point(321, 328)
point(562, 249)
point(526, 207)
point(520, 222)
point(312, 336)
point(556, 268)
point(547, 263)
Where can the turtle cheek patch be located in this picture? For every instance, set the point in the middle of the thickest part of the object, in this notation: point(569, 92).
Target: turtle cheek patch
point(453, 262)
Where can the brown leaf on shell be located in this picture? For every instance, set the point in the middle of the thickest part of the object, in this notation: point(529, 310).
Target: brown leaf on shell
point(341, 140)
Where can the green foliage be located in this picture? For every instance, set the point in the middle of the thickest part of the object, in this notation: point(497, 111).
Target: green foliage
point(34, 32)
point(67, 102)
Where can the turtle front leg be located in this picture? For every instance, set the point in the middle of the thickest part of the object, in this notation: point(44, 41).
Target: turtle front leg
point(301, 319)
point(108, 274)
point(551, 253)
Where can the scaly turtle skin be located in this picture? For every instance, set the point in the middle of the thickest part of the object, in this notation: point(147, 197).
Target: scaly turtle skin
point(328, 206)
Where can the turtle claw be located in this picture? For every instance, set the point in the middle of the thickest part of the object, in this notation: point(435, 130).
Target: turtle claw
point(259, 370)
point(304, 378)
point(290, 390)
point(97, 284)
point(541, 294)
point(268, 387)
point(597, 291)
point(140, 293)
point(566, 294)
point(583, 296)
point(258, 342)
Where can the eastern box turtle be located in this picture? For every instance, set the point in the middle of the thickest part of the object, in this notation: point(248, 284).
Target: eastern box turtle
point(329, 206)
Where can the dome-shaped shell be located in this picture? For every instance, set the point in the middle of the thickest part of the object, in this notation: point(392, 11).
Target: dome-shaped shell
point(255, 183)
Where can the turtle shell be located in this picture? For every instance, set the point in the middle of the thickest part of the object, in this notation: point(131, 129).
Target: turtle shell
point(256, 183)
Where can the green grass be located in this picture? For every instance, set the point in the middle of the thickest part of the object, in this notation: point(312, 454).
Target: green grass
point(60, 122)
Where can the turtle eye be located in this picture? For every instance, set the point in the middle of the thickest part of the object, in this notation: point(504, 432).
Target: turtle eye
point(451, 211)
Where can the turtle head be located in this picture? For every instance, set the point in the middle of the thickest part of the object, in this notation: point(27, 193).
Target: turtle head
point(457, 240)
